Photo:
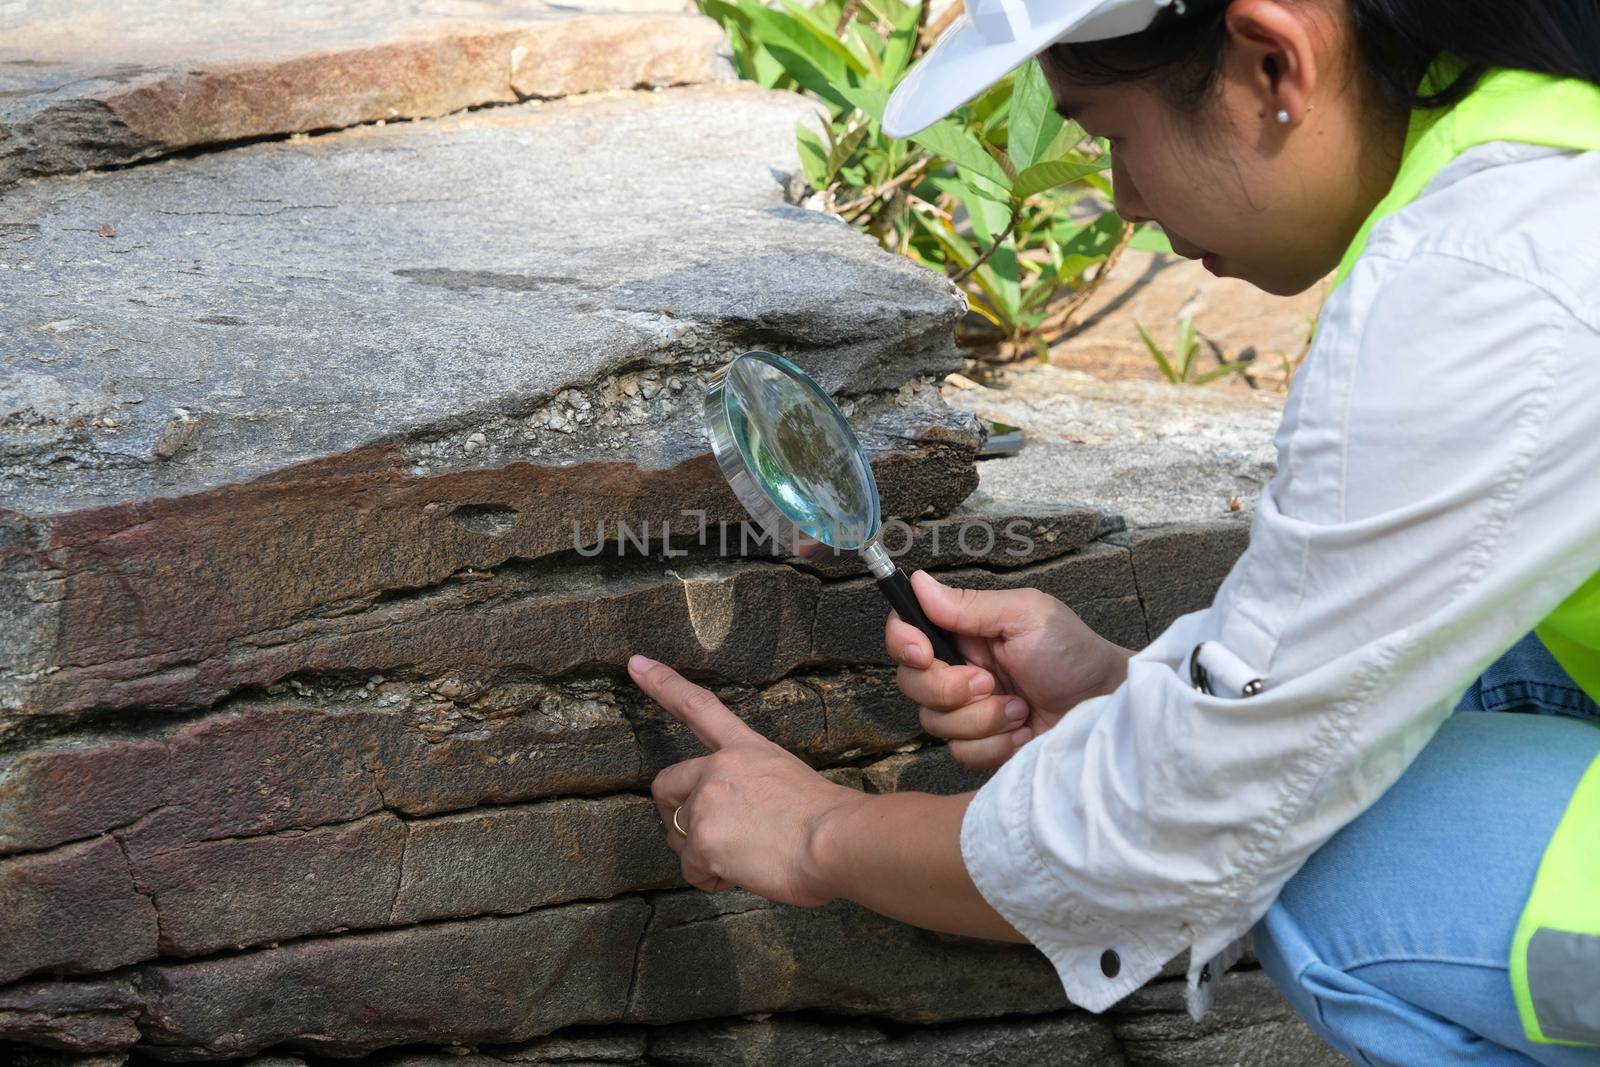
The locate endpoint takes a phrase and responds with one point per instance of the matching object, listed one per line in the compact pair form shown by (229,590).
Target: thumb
(974,612)
(695,707)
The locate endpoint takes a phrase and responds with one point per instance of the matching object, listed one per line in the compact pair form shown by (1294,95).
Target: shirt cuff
(1098,961)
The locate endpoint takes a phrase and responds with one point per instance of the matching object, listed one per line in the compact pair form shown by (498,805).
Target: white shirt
(1437,494)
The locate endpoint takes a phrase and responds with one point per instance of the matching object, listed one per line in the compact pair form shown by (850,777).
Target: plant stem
(931,33)
(909,174)
(845,16)
(998,241)
(917,46)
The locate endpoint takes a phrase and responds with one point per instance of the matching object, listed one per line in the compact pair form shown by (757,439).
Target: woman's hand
(1030,659)
(751,810)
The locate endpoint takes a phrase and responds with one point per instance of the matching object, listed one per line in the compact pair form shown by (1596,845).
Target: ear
(1274,53)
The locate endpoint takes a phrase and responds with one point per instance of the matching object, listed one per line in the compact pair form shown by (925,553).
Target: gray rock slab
(1250,1025)
(1065,1040)
(1179,566)
(927,770)
(983,531)
(306,373)
(1097,582)
(72,909)
(524,856)
(308,757)
(90,84)
(1148,451)
(216,895)
(498,979)
(291,301)
(96,1015)
(707,955)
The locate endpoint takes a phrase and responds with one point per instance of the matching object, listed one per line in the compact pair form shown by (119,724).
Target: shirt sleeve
(1434,501)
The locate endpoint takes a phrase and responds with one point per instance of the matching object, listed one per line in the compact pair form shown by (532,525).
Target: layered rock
(246,415)
(106,84)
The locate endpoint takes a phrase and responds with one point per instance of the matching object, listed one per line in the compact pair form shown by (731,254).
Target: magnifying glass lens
(793,461)
(802,453)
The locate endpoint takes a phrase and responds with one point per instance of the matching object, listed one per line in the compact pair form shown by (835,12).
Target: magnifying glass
(796,466)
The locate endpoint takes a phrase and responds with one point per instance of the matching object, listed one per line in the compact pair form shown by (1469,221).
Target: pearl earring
(1283,116)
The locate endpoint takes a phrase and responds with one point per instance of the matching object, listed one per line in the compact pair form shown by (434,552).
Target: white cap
(992,38)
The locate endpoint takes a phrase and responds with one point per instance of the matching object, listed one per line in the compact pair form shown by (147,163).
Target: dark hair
(1398,41)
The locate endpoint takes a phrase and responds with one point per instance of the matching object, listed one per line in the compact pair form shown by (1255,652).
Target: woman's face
(1272,203)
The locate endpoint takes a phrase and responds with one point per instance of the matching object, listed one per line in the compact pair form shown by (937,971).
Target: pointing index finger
(690,704)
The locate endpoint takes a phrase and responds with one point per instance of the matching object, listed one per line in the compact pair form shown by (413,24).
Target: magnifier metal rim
(735,465)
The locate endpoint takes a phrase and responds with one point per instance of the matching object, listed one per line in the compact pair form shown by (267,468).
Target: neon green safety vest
(1555,953)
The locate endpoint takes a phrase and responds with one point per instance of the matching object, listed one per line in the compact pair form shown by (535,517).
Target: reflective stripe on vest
(1555,954)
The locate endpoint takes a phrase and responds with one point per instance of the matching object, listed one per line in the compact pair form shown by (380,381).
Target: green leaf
(1095,239)
(948,140)
(1000,157)
(1033,123)
(823,34)
(813,156)
(1149,238)
(990,218)
(1048,175)
(962,252)
(845,146)
(807,59)
(1224,371)
(1065,143)
(992,107)
(902,39)
(1186,346)
(871,99)
(1160,356)
(953,244)
(766,70)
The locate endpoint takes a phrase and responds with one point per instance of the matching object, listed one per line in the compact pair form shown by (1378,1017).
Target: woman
(1423,886)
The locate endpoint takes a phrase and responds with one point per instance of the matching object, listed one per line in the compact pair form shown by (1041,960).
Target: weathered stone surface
(981,532)
(72,909)
(373,872)
(927,770)
(742,622)
(1068,1040)
(1179,567)
(274,764)
(1097,582)
(97,84)
(326,414)
(819,717)
(1250,1025)
(90,1016)
(334,754)
(23,1056)
(579,1046)
(1148,451)
(863,712)
(527,855)
(733,952)
(246,891)
(480,980)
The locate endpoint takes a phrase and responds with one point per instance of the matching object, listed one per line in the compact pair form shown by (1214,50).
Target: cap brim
(961,64)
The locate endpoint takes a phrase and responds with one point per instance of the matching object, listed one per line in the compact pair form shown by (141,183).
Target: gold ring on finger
(677,825)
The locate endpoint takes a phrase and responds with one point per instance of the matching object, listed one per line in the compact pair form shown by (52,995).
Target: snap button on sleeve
(1110,963)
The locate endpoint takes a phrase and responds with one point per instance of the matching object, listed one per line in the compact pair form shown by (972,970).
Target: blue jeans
(1392,941)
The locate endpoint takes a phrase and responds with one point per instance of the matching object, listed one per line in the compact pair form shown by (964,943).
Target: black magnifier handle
(897,587)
